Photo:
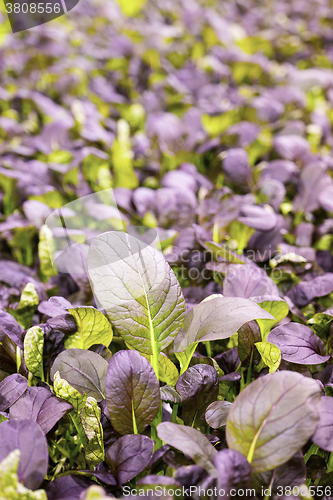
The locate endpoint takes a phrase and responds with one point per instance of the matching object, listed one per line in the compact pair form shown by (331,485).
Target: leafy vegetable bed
(197,363)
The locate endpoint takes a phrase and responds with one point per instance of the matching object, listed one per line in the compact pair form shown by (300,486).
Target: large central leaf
(137,289)
(272,418)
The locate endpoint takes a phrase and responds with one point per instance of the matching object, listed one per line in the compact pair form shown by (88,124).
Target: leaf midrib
(262,425)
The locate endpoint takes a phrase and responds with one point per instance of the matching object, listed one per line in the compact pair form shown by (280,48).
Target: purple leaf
(177,178)
(313,182)
(323,437)
(236,166)
(26,436)
(198,387)
(132,392)
(280,170)
(52,410)
(325,375)
(234,471)
(67,487)
(128,456)
(10,327)
(191,442)
(247,281)
(64,323)
(83,370)
(29,404)
(306,291)
(291,473)
(154,479)
(228,361)
(231,377)
(217,413)
(11,388)
(190,475)
(257,217)
(248,334)
(291,147)
(298,344)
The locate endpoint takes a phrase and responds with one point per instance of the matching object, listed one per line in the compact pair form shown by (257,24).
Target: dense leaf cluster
(182,339)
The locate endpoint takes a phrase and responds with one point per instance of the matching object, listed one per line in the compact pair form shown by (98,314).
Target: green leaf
(253,44)
(270,355)
(185,357)
(60,156)
(8,185)
(246,72)
(240,233)
(138,291)
(122,154)
(33,351)
(22,245)
(277,307)
(216,124)
(91,422)
(97,172)
(27,306)
(273,418)
(216,319)
(10,487)
(92,328)
(52,198)
(168,371)
(321,324)
(95,492)
(221,252)
(261,146)
(65,391)
(45,248)
(131,7)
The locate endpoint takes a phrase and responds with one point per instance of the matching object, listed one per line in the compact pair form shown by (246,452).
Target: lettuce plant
(204,362)
(117,409)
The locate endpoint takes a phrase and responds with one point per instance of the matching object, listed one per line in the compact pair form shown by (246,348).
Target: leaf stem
(82,436)
(330,463)
(157,420)
(242,381)
(249,371)
(18,359)
(311,451)
(174,413)
(154,361)
(208,348)
(135,427)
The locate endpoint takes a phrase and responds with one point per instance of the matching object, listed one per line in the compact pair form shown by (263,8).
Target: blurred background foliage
(117,93)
